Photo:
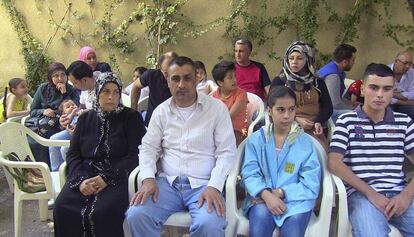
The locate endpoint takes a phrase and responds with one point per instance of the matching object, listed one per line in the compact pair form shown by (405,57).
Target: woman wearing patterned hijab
(314,106)
(103,151)
(88,55)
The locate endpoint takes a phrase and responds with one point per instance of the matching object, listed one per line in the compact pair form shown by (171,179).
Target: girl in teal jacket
(281,171)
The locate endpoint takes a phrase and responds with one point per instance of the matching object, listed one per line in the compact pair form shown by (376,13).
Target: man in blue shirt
(334,75)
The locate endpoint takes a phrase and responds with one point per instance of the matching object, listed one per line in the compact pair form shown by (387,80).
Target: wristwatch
(280,193)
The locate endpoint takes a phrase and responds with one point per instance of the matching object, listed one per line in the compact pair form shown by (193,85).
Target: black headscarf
(106,171)
(101,81)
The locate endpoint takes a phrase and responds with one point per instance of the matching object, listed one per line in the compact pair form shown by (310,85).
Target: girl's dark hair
(140,70)
(13,83)
(200,65)
(279,92)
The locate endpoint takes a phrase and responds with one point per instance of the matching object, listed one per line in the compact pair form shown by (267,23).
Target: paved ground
(31,224)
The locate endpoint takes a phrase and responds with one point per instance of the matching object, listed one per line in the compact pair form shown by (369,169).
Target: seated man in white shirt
(403,99)
(191,137)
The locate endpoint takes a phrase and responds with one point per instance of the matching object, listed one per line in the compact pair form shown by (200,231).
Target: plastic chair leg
(17,217)
(43,209)
(231,228)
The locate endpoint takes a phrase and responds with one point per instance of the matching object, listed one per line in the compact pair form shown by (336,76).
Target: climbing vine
(33,52)
(303,17)
(164,22)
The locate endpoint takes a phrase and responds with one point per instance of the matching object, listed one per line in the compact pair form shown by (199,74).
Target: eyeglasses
(407,63)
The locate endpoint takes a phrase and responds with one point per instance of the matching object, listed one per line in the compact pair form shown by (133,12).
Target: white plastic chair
(318,226)
(255,105)
(143,104)
(180,219)
(126,100)
(347,82)
(13,138)
(331,127)
(343,225)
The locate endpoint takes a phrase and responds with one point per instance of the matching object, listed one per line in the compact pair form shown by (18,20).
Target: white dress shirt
(203,148)
(405,86)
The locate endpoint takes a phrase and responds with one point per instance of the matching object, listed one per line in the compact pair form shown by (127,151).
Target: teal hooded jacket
(296,170)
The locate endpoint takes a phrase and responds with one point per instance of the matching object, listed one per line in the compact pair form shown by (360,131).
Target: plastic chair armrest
(43,167)
(133,176)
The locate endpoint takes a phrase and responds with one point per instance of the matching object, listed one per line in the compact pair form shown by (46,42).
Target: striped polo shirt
(374,151)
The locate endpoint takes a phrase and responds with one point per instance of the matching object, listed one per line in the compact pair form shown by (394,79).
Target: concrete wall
(371,45)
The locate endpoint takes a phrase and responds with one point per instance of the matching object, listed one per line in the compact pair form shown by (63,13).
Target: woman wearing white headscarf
(314,106)
(103,151)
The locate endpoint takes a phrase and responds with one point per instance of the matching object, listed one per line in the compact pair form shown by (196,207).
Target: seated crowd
(187,142)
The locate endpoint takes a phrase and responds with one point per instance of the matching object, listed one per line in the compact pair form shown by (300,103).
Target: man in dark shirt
(156,80)
(250,75)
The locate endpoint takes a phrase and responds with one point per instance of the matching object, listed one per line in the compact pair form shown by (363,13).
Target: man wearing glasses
(403,99)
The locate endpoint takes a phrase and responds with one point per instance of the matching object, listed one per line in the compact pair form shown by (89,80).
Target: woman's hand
(318,129)
(61,87)
(92,186)
(275,205)
(99,183)
(49,113)
(88,187)
(306,124)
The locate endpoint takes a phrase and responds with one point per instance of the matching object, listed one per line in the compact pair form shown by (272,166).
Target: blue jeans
(368,221)
(262,224)
(57,153)
(146,220)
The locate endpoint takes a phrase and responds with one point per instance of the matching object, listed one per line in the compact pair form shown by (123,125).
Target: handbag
(43,125)
(28,180)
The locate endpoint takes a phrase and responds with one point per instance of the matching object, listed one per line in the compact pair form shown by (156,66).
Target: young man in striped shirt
(367,152)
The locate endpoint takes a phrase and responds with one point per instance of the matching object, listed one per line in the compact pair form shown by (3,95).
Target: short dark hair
(279,92)
(343,52)
(378,69)
(245,41)
(220,70)
(200,65)
(162,57)
(79,69)
(181,61)
(140,70)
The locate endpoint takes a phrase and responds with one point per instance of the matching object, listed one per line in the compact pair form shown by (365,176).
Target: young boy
(232,96)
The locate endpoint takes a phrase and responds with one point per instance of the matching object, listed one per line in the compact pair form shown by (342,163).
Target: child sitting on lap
(57,154)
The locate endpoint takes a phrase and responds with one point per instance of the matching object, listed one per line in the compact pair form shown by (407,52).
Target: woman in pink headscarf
(88,55)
